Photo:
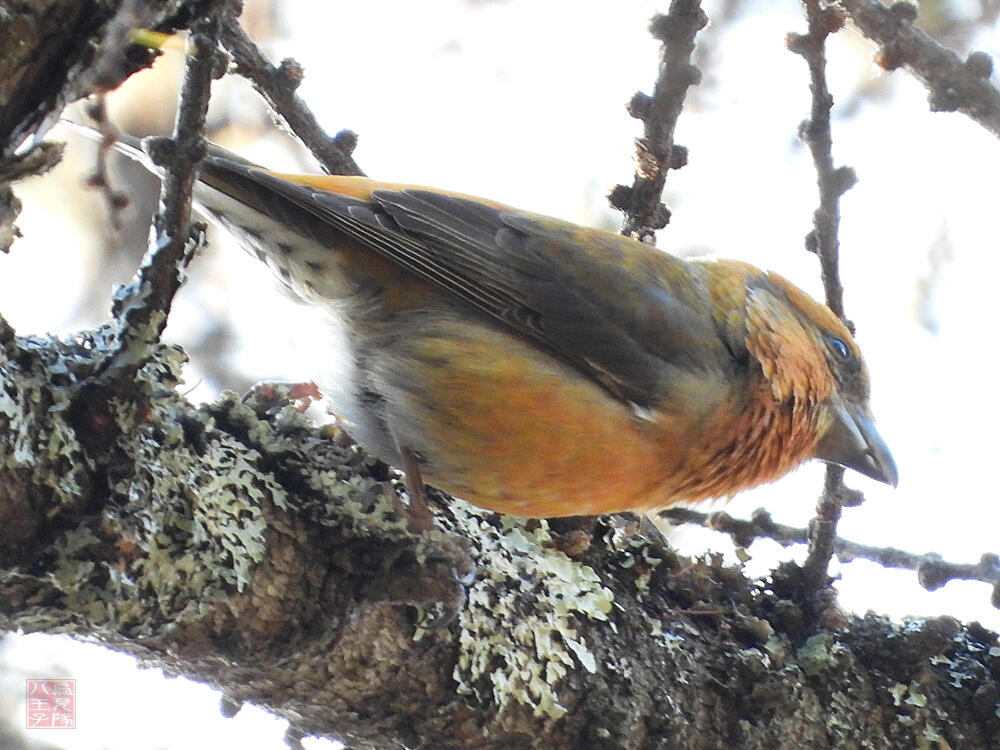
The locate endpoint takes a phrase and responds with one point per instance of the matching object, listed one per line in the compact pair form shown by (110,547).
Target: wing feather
(627,316)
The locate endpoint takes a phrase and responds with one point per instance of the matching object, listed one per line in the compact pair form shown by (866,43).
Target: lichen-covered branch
(142,307)
(656,152)
(238,545)
(953,84)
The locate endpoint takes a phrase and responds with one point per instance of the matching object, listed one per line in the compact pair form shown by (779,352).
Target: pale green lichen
(819,653)
(182,520)
(912,695)
(776,649)
(930,734)
(340,495)
(188,523)
(519,637)
(916,696)
(37,441)
(840,718)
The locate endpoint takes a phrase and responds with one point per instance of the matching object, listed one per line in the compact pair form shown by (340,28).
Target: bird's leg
(447,590)
(419,516)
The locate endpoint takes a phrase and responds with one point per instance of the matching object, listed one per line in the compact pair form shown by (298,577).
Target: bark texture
(247,549)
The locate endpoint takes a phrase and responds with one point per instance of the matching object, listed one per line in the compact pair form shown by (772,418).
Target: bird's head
(812,363)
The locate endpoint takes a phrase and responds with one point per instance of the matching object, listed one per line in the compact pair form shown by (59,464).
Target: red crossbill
(536,367)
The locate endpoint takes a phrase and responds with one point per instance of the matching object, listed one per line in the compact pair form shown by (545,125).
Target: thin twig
(116,200)
(832,181)
(277,85)
(954,85)
(656,152)
(143,306)
(932,571)
(822,240)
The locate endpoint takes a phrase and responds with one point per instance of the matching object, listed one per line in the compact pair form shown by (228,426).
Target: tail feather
(132,147)
(124,143)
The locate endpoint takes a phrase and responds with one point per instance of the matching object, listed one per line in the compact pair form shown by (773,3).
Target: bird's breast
(506,426)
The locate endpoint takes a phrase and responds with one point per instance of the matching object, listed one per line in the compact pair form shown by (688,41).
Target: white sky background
(523,101)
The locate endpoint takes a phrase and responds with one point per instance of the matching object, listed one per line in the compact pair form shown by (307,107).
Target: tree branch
(144,305)
(248,550)
(53,52)
(932,571)
(239,545)
(954,85)
(822,240)
(277,85)
(656,152)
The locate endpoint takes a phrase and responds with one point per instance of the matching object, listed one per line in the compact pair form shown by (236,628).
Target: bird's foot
(266,396)
(448,568)
(431,574)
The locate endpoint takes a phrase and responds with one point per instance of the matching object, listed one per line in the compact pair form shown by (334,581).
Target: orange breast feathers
(540,368)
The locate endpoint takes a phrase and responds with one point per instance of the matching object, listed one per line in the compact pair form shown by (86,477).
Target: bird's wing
(626,315)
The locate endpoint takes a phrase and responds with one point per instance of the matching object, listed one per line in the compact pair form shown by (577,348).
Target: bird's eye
(842,350)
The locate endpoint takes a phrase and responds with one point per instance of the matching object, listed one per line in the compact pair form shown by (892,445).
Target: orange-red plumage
(536,367)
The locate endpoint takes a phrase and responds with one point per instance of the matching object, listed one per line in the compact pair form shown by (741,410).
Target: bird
(539,368)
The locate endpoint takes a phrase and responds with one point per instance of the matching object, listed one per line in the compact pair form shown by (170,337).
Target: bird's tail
(320,235)
(126,144)
(134,148)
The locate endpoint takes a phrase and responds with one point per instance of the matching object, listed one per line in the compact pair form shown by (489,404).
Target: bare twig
(656,152)
(822,240)
(932,571)
(952,83)
(832,181)
(743,533)
(116,200)
(277,85)
(143,306)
